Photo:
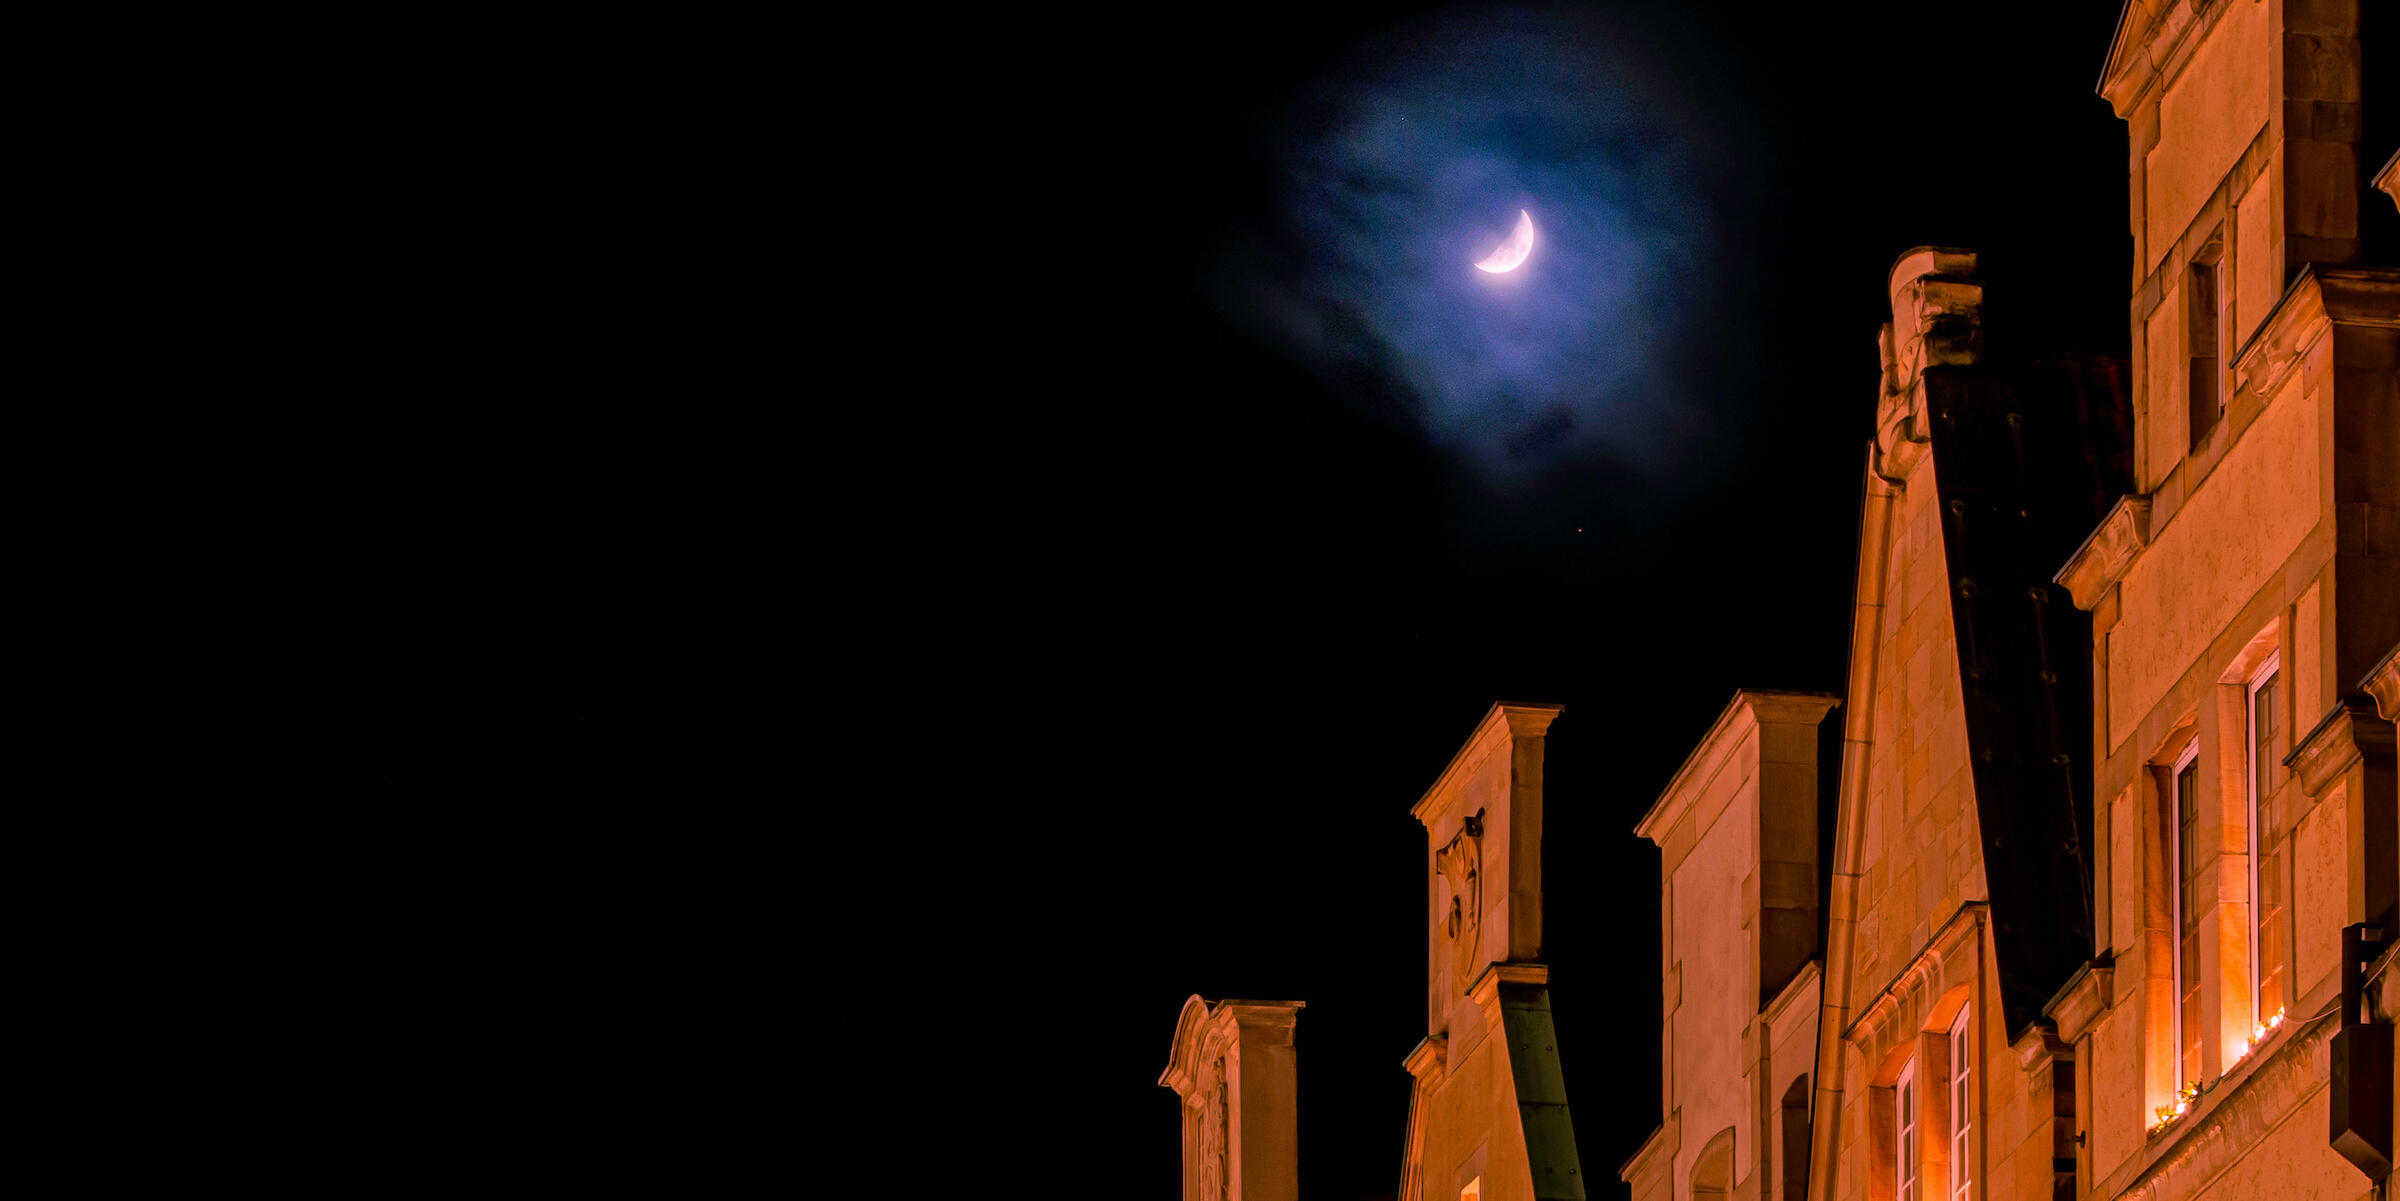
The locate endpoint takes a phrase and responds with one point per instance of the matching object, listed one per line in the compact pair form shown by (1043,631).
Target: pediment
(2140,48)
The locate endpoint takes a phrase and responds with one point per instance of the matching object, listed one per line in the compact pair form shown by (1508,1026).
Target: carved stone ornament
(1214,1181)
(1937,321)
(1461,866)
(2108,553)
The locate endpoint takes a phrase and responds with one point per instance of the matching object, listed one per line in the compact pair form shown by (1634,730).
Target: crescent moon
(1513,251)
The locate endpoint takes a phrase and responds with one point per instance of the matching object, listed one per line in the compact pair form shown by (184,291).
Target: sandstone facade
(2242,599)
(1738,891)
(1236,1071)
(1488,1117)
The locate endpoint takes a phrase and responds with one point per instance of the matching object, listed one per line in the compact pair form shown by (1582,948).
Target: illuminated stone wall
(1738,888)
(1488,1117)
(2264,541)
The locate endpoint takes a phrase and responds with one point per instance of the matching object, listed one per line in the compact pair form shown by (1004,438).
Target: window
(1795,1139)
(2207,378)
(1473,1191)
(1905,1133)
(1712,1171)
(2264,708)
(1961,1115)
(2185,805)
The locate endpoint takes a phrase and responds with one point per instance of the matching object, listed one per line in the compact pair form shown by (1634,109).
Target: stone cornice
(1894,999)
(2089,995)
(1747,708)
(2153,42)
(1504,720)
(2108,553)
(1272,1017)
(2347,734)
(1488,984)
(1203,1028)
(2319,298)
(2383,683)
(2040,1046)
(1810,974)
(1430,1057)
(1662,1144)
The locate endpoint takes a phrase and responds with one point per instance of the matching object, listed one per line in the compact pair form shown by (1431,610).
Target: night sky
(945,566)
(1312,506)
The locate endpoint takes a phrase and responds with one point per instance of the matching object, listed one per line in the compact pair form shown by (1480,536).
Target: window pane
(2187,822)
(2262,727)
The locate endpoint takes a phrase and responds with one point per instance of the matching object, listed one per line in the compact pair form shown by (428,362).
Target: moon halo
(1512,252)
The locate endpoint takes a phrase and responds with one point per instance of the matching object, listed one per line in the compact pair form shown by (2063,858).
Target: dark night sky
(1261,607)
(1008,635)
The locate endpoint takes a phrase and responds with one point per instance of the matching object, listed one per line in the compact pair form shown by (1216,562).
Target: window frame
(1908,1113)
(2189,758)
(1962,1072)
(2268,672)
(2205,316)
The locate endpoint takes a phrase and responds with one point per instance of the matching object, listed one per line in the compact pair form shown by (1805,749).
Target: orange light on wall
(2167,1114)
(2258,1034)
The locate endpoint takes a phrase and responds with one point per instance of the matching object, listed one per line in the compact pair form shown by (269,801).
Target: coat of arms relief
(1460,866)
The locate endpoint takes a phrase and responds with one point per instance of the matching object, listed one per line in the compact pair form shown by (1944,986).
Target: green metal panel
(1541,1092)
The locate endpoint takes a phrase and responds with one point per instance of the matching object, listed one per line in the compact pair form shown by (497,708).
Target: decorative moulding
(1508,973)
(2154,41)
(2319,298)
(2039,1046)
(2085,999)
(1432,1055)
(1900,1005)
(1502,722)
(2383,683)
(2349,733)
(2108,553)
(1937,321)
(1805,983)
(1203,1029)
(1747,708)
(1658,1150)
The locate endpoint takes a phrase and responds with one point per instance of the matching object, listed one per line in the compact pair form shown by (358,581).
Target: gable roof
(2023,461)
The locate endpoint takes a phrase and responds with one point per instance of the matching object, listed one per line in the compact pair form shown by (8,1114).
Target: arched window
(1712,1171)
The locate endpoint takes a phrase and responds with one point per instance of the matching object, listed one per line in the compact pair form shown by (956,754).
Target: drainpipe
(1850,826)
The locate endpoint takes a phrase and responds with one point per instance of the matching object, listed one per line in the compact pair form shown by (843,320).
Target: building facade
(1488,1117)
(1738,904)
(2243,596)
(2113,871)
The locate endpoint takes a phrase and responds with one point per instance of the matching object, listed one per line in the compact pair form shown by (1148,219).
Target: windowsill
(2227,1083)
(2295,1039)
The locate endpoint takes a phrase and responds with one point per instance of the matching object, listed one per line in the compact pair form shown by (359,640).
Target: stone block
(2257,276)
(2207,119)
(2321,67)
(2327,18)
(2320,892)
(1788,886)
(2320,192)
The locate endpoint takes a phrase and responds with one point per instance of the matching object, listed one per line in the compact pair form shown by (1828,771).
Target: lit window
(1473,1191)
(2185,804)
(1961,1115)
(1905,1133)
(2266,851)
